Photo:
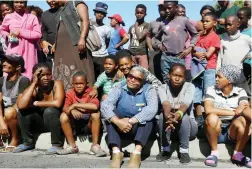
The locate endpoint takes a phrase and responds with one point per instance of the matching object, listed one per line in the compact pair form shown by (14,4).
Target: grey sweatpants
(186,129)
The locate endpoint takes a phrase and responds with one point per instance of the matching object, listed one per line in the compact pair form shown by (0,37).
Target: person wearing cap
(10,87)
(154,53)
(104,32)
(228,116)
(137,34)
(119,37)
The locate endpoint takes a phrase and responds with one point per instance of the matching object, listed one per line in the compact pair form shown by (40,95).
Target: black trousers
(140,133)
(98,65)
(154,63)
(37,120)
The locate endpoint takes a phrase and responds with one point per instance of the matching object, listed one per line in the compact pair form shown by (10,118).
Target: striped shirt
(230,102)
(146,114)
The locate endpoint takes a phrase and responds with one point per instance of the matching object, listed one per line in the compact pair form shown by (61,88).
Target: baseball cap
(118,18)
(101,7)
(18,59)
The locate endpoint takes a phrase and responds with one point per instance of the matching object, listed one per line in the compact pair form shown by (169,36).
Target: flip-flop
(7,149)
(213,158)
(244,162)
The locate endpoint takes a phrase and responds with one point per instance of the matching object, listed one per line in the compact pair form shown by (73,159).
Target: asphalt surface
(38,159)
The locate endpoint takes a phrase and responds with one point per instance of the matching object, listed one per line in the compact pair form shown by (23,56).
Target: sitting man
(40,107)
(130,110)
(228,116)
(79,109)
(10,87)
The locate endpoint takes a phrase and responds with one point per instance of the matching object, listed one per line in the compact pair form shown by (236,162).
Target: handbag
(93,40)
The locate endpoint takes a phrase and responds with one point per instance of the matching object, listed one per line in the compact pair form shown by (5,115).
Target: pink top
(30,33)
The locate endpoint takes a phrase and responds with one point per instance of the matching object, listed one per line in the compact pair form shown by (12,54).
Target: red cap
(117,17)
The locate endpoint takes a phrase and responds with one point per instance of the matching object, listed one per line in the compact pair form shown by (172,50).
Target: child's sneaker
(97,151)
(68,150)
(184,158)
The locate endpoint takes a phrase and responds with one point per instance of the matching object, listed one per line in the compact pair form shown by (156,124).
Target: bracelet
(180,113)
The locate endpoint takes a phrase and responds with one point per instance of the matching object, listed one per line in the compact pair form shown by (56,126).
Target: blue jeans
(167,60)
(202,83)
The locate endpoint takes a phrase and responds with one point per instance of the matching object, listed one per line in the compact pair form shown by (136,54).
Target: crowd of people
(177,75)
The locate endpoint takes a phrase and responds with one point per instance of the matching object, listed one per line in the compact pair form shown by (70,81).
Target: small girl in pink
(25,27)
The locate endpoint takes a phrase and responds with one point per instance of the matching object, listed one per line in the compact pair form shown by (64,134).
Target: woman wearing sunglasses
(130,110)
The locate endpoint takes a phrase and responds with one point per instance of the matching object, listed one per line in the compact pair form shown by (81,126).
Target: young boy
(244,14)
(210,42)
(138,33)
(232,41)
(110,78)
(79,108)
(10,87)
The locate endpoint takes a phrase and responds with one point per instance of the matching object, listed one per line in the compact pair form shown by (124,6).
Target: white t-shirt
(105,33)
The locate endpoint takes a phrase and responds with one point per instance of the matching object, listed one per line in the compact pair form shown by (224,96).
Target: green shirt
(220,29)
(107,83)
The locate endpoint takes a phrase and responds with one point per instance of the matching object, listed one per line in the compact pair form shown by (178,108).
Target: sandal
(244,162)
(7,149)
(214,159)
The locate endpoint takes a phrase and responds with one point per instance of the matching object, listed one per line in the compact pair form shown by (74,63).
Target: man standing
(174,36)
(48,20)
(154,53)
(104,33)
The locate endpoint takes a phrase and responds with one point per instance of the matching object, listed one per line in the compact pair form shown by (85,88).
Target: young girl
(208,45)
(119,37)
(110,78)
(40,108)
(23,32)
(177,98)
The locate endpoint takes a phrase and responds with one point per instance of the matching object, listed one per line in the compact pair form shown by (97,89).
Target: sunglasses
(138,79)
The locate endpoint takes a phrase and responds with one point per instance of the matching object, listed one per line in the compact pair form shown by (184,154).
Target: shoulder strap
(4,84)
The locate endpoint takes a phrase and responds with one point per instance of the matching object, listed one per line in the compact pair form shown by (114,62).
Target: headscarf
(231,72)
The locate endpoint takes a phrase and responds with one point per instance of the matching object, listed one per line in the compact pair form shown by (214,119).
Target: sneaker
(22,148)
(163,156)
(184,158)
(68,150)
(53,150)
(97,151)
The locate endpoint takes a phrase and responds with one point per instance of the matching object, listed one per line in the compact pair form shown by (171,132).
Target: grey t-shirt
(138,47)
(185,96)
(174,34)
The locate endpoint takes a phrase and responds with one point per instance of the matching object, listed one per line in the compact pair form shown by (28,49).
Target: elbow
(21,105)
(58,104)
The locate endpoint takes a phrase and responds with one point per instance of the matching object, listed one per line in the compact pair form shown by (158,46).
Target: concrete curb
(198,149)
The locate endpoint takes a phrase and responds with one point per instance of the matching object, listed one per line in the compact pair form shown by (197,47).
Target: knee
(96,116)
(240,123)
(212,120)
(50,111)
(64,118)
(10,113)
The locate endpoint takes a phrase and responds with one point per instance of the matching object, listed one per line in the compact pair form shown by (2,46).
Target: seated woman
(177,99)
(40,107)
(10,87)
(130,110)
(228,116)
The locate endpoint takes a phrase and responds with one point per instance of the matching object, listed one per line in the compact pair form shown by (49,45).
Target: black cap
(18,59)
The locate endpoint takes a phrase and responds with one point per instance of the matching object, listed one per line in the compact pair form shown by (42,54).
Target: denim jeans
(167,60)
(202,83)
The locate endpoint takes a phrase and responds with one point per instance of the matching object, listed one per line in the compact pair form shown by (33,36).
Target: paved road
(37,159)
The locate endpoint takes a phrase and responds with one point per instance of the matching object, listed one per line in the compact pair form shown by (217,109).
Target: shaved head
(232,24)
(233,18)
